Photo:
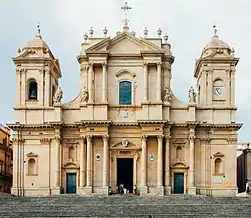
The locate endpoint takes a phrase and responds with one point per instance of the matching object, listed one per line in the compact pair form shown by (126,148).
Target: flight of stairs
(125,206)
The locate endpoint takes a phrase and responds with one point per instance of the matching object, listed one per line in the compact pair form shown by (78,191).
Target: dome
(37,42)
(216,45)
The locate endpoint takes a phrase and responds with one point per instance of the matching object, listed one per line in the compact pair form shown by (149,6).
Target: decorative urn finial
(145,32)
(91,31)
(105,31)
(159,32)
(165,38)
(85,37)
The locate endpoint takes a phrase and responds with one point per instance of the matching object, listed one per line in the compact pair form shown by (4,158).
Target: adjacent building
(243,166)
(125,125)
(6,158)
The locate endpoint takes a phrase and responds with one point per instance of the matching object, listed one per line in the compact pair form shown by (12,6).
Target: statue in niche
(167,95)
(71,153)
(192,95)
(58,96)
(179,153)
(84,95)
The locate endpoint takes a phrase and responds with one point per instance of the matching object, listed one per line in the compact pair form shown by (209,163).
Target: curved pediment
(125,71)
(179,165)
(71,165)
(125,144)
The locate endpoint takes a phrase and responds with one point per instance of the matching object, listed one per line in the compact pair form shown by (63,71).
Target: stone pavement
(125,206)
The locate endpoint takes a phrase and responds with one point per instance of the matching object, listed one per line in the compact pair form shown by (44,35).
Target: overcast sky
(188,24)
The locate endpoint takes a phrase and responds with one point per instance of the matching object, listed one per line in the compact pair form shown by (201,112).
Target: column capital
(192,137)
(145,64)
(89,138)
(82,138)
(167,137)
(144,138)
(104,64)
(45,140)
(57,138)
(160,138)
(84,68)
(159,63)
(105,138)
(91,64)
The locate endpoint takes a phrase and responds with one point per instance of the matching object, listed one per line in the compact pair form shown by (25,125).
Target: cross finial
(126,8)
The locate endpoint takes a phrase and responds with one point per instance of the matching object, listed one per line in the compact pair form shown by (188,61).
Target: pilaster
(192,188)
(143,188)
(167,189)
(145,82)
(90,85)
(104,83)
(158,97)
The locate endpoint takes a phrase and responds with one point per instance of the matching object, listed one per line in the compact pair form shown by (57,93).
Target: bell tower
(215,73)
(37,74)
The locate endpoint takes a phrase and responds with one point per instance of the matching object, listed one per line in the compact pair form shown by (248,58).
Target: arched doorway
(179,177)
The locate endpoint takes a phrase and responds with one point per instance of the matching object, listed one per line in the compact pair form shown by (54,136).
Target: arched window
(179,153)
(31,166)
(32,90)
(125,93)
(53,90)
(218,88)
(218,166)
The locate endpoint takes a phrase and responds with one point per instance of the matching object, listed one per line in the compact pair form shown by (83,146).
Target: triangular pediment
(124,145)
(124,43)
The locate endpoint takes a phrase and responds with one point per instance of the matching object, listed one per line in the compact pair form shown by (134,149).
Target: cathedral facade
(125,126)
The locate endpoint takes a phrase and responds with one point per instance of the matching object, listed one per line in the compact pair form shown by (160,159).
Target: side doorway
(71,183)
(178,183)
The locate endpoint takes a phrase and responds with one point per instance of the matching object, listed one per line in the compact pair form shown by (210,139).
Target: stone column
(191,189)
(57,162)
(160,161)
(159,81)
(143,188)
(90,86)
(82,164)
(167,166)
(105,161)
(145,82)
(89,161)
(104,83)
(160,188)
(47,88)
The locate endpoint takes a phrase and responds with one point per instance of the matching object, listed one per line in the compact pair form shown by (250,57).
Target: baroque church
(125,125)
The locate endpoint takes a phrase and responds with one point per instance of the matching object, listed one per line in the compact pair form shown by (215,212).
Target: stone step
(125,206)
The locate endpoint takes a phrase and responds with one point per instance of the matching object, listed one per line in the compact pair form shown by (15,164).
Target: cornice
(124,124)
(230,125)
(146,122)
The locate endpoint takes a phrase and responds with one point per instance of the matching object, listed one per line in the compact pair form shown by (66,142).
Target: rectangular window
(125,93)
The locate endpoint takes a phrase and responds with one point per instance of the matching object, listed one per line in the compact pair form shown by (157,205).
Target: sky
(187,23)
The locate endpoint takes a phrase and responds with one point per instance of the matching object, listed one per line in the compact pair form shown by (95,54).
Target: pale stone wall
(182,137)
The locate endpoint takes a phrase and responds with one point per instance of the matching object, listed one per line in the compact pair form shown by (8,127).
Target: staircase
(125,206)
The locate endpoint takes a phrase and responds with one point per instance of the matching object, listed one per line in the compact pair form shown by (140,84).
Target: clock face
(218,91)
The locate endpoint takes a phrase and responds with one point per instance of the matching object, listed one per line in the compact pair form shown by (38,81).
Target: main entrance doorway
(71,183)
(125,173)
(178,183)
